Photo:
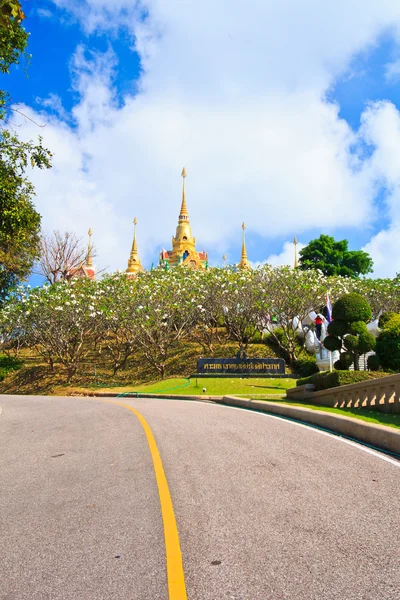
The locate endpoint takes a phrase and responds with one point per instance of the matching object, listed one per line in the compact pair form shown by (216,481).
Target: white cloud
(384,249)
(44,13)
(237,95)
(286,257)
(392,71)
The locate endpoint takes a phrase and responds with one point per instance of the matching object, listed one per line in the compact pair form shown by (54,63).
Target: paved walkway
(265,509)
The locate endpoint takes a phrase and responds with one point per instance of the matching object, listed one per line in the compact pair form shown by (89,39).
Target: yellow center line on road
(175,574)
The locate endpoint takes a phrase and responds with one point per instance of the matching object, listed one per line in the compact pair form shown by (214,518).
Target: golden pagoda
(183,243)
(244,263)
(134,264)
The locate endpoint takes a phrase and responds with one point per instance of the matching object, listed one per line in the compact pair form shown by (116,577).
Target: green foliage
(13,38)
(352,307)
(256,338)
(8,364)
(156,312)
(373,363)
(326,380)
(332,343)
(351,342)
(337,329)
(334,258)
(385,318)
(345,361)
(388,344)
(350,314)
(304,367)
(19,221)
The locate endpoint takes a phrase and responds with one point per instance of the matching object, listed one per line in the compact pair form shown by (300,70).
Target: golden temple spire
(296,262)
(224,259)
(89,261)
(184,215)
(134,264)
(244,263)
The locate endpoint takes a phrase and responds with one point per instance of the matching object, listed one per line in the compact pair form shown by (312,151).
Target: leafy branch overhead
(19,220)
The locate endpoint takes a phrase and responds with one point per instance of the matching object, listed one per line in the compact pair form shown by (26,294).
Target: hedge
(326,380)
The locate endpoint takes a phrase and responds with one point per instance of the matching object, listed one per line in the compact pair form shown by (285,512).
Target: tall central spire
(244,263)
(134,264)
(184,215)
(296,262)
(89,261)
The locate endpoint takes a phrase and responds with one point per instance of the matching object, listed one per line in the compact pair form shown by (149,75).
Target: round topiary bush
(388,345)
(366,342)
(351,342)
(352,307)
(344,362)
(337,328)
(373,363)
(332,343)
(385,318)
(358,328)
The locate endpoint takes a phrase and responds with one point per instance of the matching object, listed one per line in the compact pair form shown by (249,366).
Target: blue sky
(285,119)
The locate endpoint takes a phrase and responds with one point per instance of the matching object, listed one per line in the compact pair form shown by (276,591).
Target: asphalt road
(265,509)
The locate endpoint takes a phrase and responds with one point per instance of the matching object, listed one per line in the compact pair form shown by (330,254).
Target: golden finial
(184,215)
(89,261)
(134,264)
(134,245)
(244,263)
(224,259)
(296,262)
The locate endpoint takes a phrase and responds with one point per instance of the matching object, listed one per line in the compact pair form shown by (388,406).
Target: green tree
(348,331)
(19,221)
(334,258)
(388,342)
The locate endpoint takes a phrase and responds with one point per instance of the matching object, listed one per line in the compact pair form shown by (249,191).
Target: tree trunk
(356,361)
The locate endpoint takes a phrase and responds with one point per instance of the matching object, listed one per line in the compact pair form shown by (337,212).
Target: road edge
(377,436)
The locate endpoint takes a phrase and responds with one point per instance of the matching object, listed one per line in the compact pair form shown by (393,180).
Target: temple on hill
(183,243)
(183,246)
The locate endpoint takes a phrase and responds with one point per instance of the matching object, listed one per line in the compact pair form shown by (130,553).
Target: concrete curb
(378,436)
(144,395)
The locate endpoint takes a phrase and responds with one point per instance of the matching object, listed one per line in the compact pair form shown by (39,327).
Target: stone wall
(379,394)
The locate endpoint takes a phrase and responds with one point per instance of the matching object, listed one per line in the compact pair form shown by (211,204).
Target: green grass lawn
(247,387)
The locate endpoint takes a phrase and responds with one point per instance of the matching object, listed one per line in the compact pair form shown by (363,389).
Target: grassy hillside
(36,377)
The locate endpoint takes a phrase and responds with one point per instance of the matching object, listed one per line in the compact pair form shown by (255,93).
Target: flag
(328,308)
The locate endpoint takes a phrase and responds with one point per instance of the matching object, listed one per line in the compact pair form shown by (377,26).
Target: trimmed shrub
(373,363)
(385,318)
(332,343)
(337,328)
(352,307)
(388,345)
(305,366)
(325,381)
(343,364)
(351,313)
